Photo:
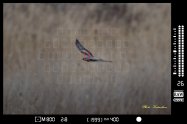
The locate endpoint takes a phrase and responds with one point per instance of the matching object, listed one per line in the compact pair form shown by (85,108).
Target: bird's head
(85,59)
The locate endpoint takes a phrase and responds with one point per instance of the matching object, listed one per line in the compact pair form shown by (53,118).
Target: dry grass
(44,73)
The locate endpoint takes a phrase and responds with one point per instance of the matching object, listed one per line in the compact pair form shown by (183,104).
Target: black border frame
(177,108)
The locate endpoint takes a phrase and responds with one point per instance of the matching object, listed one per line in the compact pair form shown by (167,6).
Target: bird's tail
(101,60)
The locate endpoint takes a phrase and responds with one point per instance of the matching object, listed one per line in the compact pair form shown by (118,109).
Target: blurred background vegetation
(44,72)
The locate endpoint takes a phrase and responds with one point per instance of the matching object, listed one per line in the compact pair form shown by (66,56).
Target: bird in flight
(88,55)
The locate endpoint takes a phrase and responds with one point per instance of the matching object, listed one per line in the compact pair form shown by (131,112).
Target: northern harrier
(88,55)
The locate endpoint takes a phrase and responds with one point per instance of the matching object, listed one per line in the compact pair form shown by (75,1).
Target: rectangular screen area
(89,58)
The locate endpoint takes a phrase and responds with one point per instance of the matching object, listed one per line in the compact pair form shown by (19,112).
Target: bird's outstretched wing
(82,49)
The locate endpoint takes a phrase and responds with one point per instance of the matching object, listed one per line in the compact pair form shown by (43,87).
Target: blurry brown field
(44,72)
